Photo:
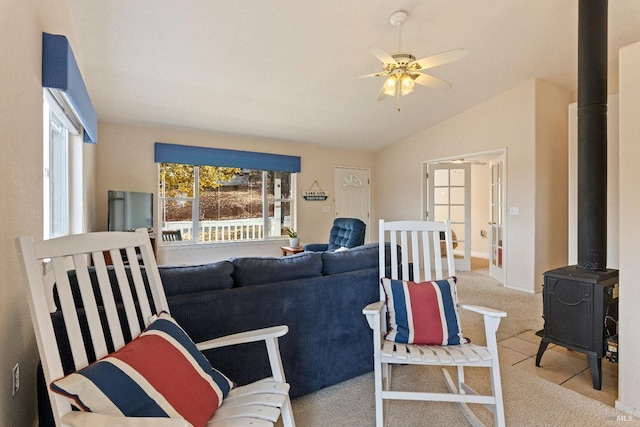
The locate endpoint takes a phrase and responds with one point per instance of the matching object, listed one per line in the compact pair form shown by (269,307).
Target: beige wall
(21,25)
(629,369)
(551,180)
(126,163)
(509,121)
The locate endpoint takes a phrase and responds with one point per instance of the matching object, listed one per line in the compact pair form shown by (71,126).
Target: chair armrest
(316,247)
(373,312)
(244,337)
(91,419)
(373,308)
(484,310)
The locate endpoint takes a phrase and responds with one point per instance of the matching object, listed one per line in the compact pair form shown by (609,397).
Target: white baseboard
(626,410)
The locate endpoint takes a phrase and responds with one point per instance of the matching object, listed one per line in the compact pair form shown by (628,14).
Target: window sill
(189,253)
(170,246)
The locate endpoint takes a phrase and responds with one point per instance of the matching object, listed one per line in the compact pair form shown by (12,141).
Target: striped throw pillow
(423,313)
(161,373)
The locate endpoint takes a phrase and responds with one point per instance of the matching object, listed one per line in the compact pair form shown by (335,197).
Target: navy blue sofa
(319,295)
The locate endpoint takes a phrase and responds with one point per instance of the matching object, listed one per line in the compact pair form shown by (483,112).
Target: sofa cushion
(186,279)
(358,258)
(423,313)
(147,377)
(260,270)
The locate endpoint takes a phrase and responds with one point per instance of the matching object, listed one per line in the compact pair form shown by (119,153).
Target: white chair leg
(386,376)
(275,360)
(460,379)
(491,326)
(379,380)
(287,414)
(496,386)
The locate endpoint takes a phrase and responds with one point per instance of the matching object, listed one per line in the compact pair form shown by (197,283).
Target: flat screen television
(129,210)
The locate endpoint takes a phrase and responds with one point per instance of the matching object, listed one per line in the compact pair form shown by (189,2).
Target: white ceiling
(286,69)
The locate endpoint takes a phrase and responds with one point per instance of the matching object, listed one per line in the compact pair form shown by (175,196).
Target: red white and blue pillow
(423,313)
(161,373)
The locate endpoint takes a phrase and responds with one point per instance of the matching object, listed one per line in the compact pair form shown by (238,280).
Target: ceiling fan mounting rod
(397,19)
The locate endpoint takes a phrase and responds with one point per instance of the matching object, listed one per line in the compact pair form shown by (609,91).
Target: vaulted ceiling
(285,69)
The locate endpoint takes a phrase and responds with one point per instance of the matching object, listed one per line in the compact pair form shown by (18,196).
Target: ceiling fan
(403,70)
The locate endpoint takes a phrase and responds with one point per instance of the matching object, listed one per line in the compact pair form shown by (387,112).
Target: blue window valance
(204,156)
(60,72)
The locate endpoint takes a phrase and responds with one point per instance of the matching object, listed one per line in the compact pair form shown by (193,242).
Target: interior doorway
(352,190)
(484,230)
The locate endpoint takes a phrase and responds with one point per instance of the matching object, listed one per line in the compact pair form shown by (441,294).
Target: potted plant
(294,240)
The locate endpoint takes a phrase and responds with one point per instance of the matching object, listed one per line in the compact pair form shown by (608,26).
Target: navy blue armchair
(346,232)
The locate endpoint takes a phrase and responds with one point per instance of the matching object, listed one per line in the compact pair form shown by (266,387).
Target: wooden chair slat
(90,305)
(69,313)
(125,291)
(108,300)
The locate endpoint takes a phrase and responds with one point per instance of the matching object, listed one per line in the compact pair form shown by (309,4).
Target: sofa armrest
(316,247)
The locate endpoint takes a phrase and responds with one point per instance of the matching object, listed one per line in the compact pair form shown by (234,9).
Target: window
(221,204)
(68,119)
(62,175)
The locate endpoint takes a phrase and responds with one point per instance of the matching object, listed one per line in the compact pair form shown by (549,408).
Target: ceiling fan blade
(439,59)
(430,81)
(383,56)
(381,73)
(381,95)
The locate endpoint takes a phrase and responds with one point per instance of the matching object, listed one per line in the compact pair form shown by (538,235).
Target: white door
(449,195)
(496,219)
(352,193)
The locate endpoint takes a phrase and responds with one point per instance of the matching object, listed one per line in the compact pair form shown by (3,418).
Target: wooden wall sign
(315,193)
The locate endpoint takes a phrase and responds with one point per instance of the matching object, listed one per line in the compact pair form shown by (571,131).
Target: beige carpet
(529,400)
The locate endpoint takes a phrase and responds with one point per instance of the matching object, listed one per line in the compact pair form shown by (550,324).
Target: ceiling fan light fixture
(389,87)
(406,84)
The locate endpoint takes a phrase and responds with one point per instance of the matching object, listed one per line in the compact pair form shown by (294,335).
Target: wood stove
(581,302)
(580,309)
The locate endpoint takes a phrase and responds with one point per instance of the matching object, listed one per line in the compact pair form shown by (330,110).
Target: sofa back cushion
(250,271)
(185,279)
(359,258)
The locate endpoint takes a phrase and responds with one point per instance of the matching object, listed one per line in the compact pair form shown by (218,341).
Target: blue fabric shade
(204,156)
(60,72)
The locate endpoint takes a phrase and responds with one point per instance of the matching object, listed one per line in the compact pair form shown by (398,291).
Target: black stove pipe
(592,134)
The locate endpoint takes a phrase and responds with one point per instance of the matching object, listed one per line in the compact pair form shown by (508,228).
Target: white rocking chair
(421,260)
(46,263)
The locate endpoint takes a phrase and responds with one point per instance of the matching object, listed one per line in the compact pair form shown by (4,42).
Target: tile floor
(565,367)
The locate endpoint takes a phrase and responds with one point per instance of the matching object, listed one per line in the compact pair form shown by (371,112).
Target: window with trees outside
(208,204)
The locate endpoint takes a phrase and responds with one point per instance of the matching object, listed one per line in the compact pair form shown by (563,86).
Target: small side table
(288,250)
